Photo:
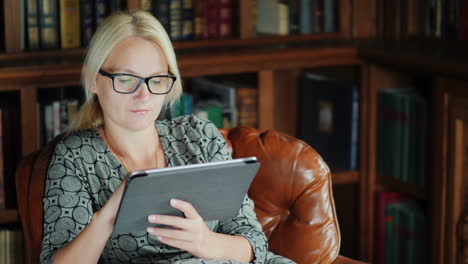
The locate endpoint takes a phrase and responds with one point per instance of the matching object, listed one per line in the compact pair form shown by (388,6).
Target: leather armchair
(292,194)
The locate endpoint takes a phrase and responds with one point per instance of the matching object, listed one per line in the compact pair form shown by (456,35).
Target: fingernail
(151,218)
(173,201)
(150,230)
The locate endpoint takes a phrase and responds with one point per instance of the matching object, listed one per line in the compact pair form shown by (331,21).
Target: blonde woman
(129,73)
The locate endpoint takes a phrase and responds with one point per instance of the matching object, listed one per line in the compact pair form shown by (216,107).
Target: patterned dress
(83,174)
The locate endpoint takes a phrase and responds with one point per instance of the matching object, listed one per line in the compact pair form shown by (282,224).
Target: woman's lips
(139,111)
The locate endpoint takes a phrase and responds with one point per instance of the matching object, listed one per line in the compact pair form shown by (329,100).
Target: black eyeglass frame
(141,80)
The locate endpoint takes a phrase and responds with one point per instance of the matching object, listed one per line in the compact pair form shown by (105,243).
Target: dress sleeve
(66,201)
(245,223)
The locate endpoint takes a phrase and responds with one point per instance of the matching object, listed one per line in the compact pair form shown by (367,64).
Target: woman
(129,74)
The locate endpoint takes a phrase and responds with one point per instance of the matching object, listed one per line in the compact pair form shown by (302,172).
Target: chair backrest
(292,195)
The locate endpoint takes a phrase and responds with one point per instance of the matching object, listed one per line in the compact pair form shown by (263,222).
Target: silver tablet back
(215,189)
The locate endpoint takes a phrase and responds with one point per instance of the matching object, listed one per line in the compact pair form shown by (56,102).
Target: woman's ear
(93,88)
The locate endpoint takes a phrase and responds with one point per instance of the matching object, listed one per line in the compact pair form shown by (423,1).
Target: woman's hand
(190,233)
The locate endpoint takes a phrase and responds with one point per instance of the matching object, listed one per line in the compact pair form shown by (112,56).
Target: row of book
(447,19)
(329,119)
(401,230)
(11,246)
(226,101)
(55,116)
(402,135)
(444,19)
(53,24)
(285,17)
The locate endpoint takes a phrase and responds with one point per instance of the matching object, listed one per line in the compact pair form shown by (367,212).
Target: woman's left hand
(190,233)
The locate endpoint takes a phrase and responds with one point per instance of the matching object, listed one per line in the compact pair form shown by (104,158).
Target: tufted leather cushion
(292,195)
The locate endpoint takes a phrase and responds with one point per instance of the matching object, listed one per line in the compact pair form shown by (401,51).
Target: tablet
(215,189)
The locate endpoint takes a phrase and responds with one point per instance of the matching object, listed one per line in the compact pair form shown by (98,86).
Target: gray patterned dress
(83,173)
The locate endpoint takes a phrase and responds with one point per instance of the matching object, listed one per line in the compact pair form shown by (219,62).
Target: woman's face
(136,111)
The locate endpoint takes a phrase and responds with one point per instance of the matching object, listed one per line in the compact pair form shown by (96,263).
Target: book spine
(86,21)
(187,30)
(283,17)
(318,16)
(354,129)
(246,100)
(175,19)
(329,11)
(48,24)
(463,20)
(70,23)
(161,12)
(225,19)
(211,19)
(293,16)
(199,18)
(100,12)
(305,17)
(32,24)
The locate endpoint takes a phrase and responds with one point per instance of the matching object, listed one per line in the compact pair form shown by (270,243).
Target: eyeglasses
(128,83)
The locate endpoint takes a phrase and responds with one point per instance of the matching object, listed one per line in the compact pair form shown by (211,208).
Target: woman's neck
(135,150)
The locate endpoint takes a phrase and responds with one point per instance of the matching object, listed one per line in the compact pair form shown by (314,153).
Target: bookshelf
(442,76)
(276,60)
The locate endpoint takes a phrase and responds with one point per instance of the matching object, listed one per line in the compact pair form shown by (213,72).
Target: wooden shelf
(390,184)
(345,177)
(8,216)
(37,68)
(419,55)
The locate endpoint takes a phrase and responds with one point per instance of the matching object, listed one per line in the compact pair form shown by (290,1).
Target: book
(328,119)
(225,19)
(49,24)
(175,19)
(212,91)
(100,9)
(160,10)
(272,17)
(329,13)
(70,24)
(384,199)
(86,22)
(198,18)
(187,27)
(32,24)
(306,16)
(211,30)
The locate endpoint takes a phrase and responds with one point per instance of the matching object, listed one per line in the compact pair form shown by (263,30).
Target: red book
(464,20)
(212,19)
(225,19)
(383,199)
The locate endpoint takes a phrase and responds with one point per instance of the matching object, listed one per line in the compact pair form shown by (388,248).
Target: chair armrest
(345,260)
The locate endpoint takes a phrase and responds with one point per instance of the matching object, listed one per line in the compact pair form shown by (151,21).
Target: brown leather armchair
(292,194)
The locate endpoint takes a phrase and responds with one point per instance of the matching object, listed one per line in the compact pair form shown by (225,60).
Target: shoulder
(187,125)
(79,139)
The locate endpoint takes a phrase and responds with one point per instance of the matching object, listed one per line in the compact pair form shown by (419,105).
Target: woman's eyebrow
(126,70)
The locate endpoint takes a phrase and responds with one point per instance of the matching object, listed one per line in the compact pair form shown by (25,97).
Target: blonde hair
(114,29)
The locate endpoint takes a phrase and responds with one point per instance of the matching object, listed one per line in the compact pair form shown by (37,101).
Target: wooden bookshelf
(9,216)
(442,75)
(276,60)
(345,177)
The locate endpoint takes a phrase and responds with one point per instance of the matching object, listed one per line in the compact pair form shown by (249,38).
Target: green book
(210,111)
(405,137)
